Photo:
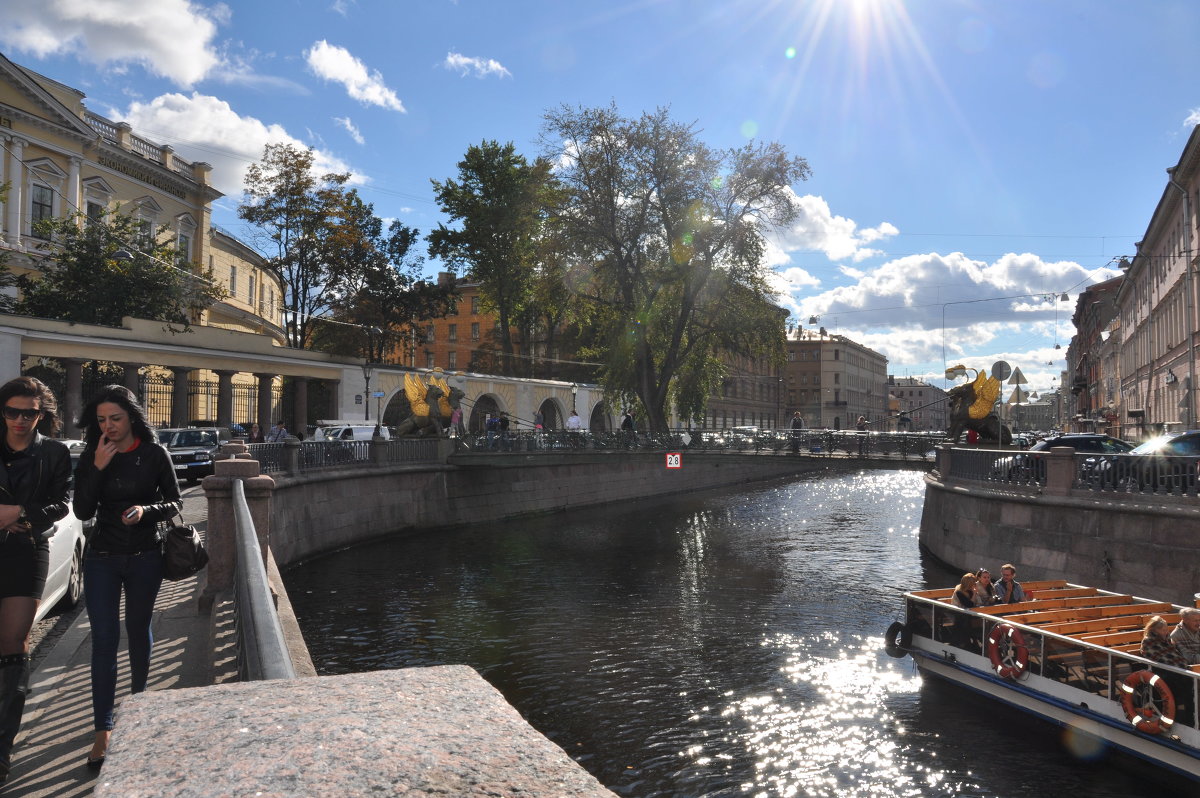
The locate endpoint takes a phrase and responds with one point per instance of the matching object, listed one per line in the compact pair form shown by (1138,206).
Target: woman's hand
(132,515)
(9,513)
(105,452)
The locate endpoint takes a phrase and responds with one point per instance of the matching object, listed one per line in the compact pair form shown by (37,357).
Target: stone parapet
(439,731)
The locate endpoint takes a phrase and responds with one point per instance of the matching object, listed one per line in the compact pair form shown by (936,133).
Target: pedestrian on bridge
(34,476)
(126,480)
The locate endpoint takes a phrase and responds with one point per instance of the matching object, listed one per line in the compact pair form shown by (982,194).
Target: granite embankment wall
(332,509)
(1148,546)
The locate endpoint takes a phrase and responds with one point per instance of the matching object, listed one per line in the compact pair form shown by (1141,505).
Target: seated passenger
(1186,635)
(1009,590)
(985,591)
(964,594)
(1158,646)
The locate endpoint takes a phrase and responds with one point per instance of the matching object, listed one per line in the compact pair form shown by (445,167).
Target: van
(351,432)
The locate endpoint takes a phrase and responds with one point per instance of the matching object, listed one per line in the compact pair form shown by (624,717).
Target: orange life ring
(1015,659)
(1146,716)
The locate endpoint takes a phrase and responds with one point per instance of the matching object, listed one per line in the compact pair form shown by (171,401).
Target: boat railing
(1091,643)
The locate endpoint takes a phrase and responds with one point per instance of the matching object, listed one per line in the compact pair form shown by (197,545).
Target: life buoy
(897,639)
(1014,659)
(1146,715)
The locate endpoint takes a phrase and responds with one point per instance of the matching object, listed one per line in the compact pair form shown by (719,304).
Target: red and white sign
(674,460)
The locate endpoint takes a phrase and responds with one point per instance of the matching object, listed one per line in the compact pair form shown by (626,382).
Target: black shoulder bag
(183,551)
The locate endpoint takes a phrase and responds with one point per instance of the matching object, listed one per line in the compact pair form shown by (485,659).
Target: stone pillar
(72,402)
(179,396)
(74,189)
(299,406)
(224,397)
(265,381)
(132,379)
(334,408)
(16,186)
(10,354)
(1060,470)
(221,535)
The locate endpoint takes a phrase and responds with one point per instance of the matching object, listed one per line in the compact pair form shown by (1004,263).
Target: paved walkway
(56,733)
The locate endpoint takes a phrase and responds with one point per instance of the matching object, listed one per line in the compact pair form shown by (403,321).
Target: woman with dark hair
(124,478)
(33,495)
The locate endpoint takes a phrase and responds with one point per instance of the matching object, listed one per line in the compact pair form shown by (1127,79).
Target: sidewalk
(56,732)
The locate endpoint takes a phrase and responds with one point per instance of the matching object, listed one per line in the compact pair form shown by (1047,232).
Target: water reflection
(701,646)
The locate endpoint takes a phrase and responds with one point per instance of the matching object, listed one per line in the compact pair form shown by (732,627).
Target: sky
(971,161)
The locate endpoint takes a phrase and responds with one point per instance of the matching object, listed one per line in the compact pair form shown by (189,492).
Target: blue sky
(960,150)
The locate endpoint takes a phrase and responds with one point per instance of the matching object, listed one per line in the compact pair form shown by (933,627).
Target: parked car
(351,432)
(193,449)
(64,578)
(1030,466)
(1164,464)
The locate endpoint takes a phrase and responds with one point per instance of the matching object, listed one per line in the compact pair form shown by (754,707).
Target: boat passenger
(1158,646)
(985,591)
(1009,590)
(964,594)
(1186,635)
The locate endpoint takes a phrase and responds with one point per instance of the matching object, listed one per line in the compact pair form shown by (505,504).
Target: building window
(475,306)
(250,299)
(41,207)
(452,333)
(837,379)
(452,360)
(95,212)
(183,249)
(429,336)
(233,281)
(474,331)
(837,354)
(429,359)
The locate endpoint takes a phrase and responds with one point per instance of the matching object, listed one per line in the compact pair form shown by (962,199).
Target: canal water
(724,644)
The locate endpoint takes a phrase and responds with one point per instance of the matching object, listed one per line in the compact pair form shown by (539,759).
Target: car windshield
(1154,444)
(194,437)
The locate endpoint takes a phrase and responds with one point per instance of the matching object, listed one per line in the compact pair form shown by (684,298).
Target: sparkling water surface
(717,644)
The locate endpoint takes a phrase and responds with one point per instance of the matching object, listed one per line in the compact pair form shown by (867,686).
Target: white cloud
(344,122)
(337,64)
(171,38)
(205,128)
(341,6)
(817,229)
(1193,118)
(479,67)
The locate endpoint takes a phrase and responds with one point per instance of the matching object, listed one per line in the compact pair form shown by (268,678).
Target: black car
(1166,464)
(193,449)
(1031,466)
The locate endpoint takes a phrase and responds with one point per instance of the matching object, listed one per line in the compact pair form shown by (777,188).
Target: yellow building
(57,158)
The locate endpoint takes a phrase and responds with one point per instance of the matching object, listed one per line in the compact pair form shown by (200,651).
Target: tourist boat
(1070,655)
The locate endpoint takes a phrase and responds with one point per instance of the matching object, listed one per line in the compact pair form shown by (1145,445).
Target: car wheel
(74,590)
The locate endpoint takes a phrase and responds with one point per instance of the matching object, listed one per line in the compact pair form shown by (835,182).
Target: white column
(16,191)
(74,188)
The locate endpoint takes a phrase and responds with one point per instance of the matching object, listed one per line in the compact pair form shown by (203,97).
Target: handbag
(183,551)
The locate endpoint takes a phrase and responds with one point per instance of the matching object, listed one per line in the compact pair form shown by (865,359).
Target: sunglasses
(13,413)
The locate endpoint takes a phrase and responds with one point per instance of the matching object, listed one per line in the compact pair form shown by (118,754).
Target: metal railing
(262,651)
(825,443)
(301,456)
(1130,474)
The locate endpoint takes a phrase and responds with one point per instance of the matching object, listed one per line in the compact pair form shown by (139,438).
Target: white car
(64,579)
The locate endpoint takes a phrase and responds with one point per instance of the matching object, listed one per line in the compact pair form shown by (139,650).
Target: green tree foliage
(302,217)
(82,281)
(381,288)
(498,203)
(675,232)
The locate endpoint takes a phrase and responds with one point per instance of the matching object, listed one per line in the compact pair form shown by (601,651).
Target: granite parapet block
(438,731)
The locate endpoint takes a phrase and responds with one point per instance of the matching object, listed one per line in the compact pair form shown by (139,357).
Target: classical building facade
(59,159)
(921,407)
(832,381)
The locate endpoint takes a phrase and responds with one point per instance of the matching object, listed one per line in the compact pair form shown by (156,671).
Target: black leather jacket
(47,502)
(144,477)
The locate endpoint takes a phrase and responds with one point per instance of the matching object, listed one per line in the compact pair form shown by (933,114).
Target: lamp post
(366,370)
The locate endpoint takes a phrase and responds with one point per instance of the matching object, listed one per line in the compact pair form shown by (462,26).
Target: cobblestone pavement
(49,630)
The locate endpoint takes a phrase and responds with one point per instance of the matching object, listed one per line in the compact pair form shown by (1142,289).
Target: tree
(675,230)
(499,202)
(81,279)
(304,218)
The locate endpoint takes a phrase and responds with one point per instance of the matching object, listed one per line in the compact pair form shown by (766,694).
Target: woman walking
(126,480)
(33,495)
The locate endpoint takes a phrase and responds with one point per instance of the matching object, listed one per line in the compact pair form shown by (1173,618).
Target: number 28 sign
(674,460)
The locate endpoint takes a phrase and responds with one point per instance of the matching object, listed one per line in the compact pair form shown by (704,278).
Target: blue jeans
(104,577)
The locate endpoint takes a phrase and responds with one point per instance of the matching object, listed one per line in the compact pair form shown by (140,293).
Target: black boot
(14,686)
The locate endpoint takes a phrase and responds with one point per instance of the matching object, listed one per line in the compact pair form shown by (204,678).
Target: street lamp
(574,393)
(366,370)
